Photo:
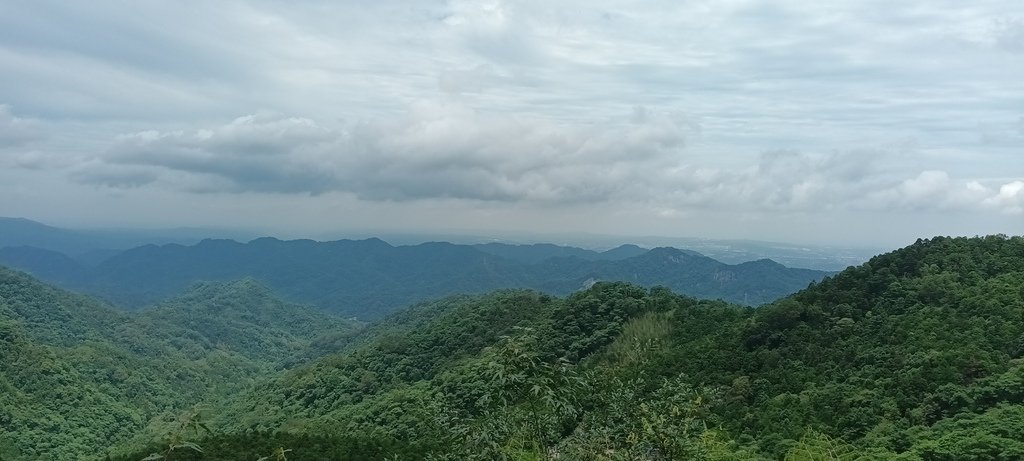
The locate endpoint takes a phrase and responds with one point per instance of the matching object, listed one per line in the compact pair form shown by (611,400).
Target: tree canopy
(916,355)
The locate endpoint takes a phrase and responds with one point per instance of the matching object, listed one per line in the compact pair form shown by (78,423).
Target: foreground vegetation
(916,355)
(78,377)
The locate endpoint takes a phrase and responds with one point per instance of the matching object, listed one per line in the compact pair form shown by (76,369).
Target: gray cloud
(445,151)
(437,150)
(16,131)
(1009,34)
(261,152)
(116,176)
(823,112)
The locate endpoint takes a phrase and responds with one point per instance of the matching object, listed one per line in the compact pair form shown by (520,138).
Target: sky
(845,122)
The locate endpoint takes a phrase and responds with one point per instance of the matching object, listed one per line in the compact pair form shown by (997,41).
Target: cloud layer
(16,132)
(678,116)
(452,152)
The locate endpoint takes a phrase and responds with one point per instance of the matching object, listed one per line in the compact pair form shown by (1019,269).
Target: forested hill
(916,355)
(78,377)
(369,278)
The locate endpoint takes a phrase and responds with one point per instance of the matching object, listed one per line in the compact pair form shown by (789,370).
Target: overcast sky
(860,122)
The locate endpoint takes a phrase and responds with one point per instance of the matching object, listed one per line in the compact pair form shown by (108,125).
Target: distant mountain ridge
(96,244)
(92,246)
(370,278)
(538,252)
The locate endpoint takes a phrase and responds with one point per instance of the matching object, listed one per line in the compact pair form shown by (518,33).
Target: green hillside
(916,355)
(79,377)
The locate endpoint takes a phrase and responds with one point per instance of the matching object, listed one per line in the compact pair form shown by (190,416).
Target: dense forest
(917,354)
(78,377)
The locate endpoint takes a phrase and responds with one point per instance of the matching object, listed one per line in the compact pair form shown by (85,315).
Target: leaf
(153,457)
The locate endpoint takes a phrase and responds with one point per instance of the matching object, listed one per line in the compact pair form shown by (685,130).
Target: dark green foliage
(189,428)
(917,355)
(590,320)
(251,446)
(874,354)
(493,377)
(912,356)
(391,359)
(78,377)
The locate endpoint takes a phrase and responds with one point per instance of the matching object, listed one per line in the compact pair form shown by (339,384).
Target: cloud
(782,108)
(790,181)
(1009,34)
(1009,199)
(436,151)
(16,131)
(450,151)
(260,152)
(116,176)
(931,190)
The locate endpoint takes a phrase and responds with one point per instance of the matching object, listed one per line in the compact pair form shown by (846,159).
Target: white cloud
(1009,199)
(931,190)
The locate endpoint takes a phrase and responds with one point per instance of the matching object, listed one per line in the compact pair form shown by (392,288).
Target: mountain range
(91,246)
(915,355)
(370,278)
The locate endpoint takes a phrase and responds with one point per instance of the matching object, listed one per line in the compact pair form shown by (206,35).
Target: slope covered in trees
(915,355)
(78,377)
(370,278)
